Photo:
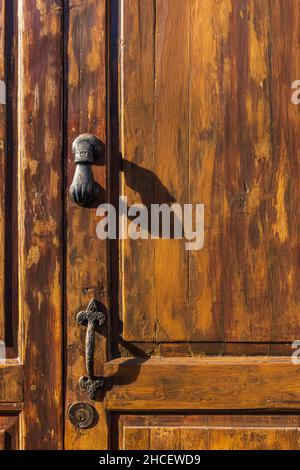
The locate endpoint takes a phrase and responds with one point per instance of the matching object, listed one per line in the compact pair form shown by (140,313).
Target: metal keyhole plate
(82,415)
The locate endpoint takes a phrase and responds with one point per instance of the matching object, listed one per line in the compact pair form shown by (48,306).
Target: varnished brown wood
(86,264)
(2,440)
(230,383)
(284,188)
(11,383)
(2,172)
(209,432)
(9,432)
(205,116)
(216,133)
(11,407)
(204,349)
(191,100)
(138,160)
(40,220)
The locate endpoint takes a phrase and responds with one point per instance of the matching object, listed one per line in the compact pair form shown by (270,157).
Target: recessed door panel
(206,117)
(208,432)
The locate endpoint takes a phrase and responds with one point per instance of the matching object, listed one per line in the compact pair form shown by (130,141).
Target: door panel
(208,432)
(201,112)
(191,102)
(202,383)
(31,224)
(9,432)
(195,108)
(202,120)
(40,212)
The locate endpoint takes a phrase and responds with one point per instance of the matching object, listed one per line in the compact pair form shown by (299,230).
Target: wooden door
(191,103)
(31,294)
(196,351)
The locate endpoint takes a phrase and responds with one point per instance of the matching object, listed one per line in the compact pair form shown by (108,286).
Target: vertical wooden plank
(244,244)
(40,221)
(171,289)
(2,167)
(251,257)
(209,90)
(284,210)
(86,263)
(154,146)
(137,123)
(230,163)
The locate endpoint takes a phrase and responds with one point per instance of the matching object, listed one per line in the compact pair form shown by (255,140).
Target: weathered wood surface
(203,384)
(208,432)
(11,383)
(86,263)
(200,106)
(9,432)
(206,116)
(40,220)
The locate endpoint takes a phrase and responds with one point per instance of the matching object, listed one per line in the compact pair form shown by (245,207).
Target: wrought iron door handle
(86,150)
(93,319)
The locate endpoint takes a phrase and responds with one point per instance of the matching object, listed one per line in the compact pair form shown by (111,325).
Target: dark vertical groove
(153,159)
(113,166)
(11,205)
(64,127)
(272,281)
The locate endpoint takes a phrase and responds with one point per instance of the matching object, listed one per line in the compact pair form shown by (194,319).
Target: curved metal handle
(86,150)
(93,319)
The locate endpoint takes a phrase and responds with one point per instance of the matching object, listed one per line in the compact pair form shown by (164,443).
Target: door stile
(40,210)
(86,255)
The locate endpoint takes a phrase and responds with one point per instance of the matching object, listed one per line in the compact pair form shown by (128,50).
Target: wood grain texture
(206,117)
(11,383)
(284,180)
(203,91)
(40,212)
(137,104)
(203,383)
(86,264)
(209,432)
(10,431)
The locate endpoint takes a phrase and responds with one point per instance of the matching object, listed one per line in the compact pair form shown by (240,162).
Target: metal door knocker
(86,150)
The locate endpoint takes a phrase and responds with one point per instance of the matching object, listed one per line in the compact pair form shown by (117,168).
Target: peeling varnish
(281,227)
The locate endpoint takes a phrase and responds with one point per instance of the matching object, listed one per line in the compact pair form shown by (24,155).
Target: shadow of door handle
(86,150)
